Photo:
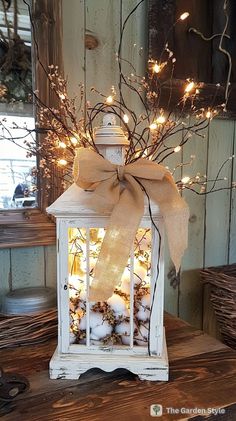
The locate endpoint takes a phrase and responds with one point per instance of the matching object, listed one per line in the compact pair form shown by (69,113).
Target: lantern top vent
(109,133)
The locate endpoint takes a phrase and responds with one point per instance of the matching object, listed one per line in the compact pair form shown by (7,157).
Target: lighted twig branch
(222,36)
(71,124)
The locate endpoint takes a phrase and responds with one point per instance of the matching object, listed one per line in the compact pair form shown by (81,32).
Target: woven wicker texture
(26,330)
(223,297)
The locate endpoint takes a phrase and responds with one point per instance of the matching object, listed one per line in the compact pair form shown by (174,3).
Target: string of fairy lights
(71,124)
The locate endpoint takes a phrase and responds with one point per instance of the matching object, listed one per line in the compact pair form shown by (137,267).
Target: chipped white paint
(69,361)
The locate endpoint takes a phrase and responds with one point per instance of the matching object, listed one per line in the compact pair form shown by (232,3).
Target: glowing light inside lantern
(109,99)
(62,145)
(73,140)
(110,324)
(184,16)
(62,162)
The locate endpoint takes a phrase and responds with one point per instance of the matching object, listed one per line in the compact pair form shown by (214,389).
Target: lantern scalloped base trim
(71,366)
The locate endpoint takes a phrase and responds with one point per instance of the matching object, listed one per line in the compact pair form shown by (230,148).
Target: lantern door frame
(71,360)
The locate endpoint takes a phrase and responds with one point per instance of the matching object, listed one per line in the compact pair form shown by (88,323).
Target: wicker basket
(223,297)
(31,329)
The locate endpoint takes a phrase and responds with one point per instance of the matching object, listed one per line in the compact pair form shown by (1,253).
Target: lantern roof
(75,201)
(109,133)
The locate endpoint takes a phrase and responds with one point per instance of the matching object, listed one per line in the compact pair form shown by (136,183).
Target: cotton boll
(93,336)
(82,323)
(146,300)
(125,286)
(72,338)
(102,330)
(92,262)
(139,274)
(82,295)
(125,282)
(143,314)
(119,314)
(123,329)
(116,303)
(95,319)
(125,340)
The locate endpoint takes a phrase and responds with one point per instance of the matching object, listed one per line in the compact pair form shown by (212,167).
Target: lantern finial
(109,119)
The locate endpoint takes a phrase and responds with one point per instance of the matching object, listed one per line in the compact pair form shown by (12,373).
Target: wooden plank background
(212,236)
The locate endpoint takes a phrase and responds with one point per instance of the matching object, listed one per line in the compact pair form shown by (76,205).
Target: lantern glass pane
(122,320)
(107,318)
(77,267)
(142,283)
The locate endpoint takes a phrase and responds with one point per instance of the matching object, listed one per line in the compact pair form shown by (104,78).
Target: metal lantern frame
(71,360)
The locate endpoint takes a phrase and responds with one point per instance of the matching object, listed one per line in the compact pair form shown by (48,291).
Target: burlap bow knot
(121,189)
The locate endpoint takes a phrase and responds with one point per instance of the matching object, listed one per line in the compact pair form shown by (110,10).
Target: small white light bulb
(189,87)
(62,145)
(126,118)
(156,68)
(185,179)
(184,15)
(62,162)
(177,149)
(73,140)
(109,99)
(161,119)
(153,126)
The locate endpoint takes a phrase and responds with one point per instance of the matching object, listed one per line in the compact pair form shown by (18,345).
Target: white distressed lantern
(127,330)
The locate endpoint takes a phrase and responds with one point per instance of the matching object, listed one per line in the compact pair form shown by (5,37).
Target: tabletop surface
(202,377)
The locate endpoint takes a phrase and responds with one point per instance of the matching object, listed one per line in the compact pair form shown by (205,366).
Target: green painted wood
(28,268)
(217,229)
(5,273)
(190,299)
(134,49)
(73,43)
(221,137)
(171,292)
(103,21)
(50,257)
(232,244)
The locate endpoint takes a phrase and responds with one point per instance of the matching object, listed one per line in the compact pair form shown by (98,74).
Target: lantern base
(71,366)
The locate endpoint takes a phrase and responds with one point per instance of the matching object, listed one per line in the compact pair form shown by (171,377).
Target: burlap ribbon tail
(118,189)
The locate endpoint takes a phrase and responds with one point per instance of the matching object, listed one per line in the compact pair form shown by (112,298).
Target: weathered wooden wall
(212,239)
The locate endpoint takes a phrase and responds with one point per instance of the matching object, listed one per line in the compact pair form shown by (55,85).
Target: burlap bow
(119,188)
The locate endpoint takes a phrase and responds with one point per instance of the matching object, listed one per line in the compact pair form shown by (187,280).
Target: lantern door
(131,320)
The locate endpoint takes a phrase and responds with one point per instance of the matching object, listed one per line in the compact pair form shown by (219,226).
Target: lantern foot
(71,366)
